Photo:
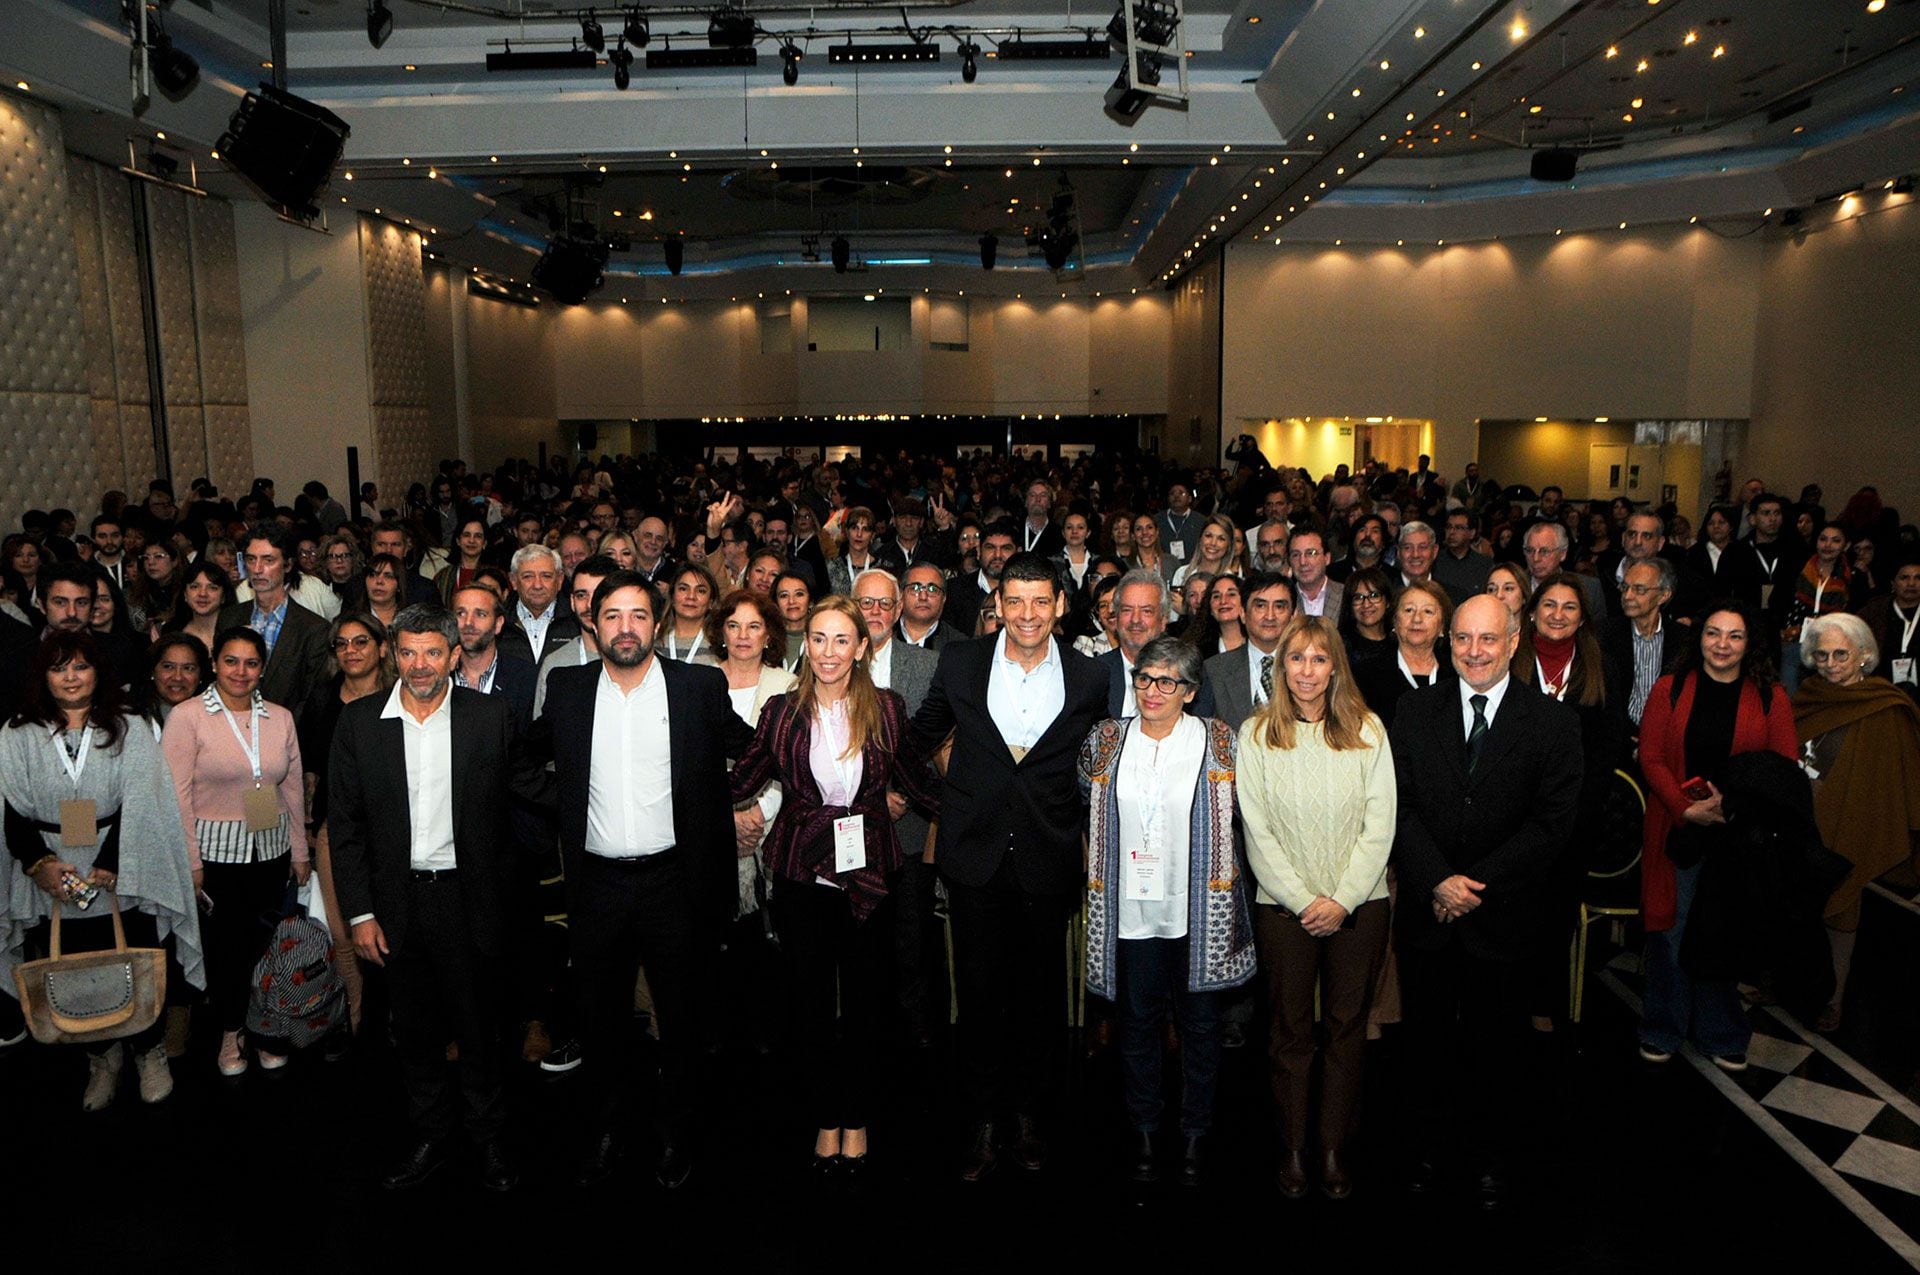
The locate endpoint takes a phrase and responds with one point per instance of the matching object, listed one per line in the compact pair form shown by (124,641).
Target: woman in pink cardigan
(236,769)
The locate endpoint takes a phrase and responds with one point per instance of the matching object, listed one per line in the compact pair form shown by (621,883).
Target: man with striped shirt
(1639,637)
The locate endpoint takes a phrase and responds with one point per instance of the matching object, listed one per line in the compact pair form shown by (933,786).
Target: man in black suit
(1489,775)
(537,625)
(417,791)
(966,594)
(1142,606)
(923,604)
(1018,705)
(1037,533)
(639,747)
(1639,639)
(482,667)
(299,651)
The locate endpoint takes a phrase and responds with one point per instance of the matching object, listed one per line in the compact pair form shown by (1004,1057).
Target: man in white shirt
(1243,680)
(1307,554)
(1418,548)
(538,624)
(430,905)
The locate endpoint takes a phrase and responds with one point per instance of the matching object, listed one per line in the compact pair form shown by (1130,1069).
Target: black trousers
(92,931)
(1153,980)
(920,949)
(443,987)
(840,971)
(623,912)
(1009,958)
(246,906)
(1467,1018)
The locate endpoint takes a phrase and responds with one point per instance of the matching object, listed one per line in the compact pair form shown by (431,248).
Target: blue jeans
(1153,979)
(1678,1007)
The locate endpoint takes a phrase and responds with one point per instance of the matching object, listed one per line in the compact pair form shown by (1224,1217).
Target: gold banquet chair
(1612,889)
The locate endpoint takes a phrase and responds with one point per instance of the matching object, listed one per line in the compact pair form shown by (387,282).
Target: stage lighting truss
(1150,35)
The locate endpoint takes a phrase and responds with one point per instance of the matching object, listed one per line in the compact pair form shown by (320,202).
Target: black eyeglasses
(921,587)
(1165,685)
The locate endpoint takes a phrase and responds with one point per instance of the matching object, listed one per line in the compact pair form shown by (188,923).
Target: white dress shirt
(880,666)
(630,780)
(535,626)
(1494,694)
(1023,704)
(429,746)
(1155,786)
(1314,605)
(921,642)
(1129,704)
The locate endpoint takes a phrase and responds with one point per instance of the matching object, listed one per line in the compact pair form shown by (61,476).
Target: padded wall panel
(187,443)
(83,212)
(406,445)
(216,298)
(122,264)
(46,451)
(172,245)
(229,448)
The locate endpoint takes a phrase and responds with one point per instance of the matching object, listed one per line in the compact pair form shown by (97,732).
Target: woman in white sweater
(1317,799)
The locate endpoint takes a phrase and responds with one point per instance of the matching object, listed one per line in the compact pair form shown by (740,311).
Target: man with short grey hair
(1418,548)
(538,625)
(1142,607)
(1637,638)
(1545,548)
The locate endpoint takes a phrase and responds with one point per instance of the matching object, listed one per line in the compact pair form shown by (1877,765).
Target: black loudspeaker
(589,435)
(571,268)
(1556,164)
(842,255)
(989,250)
(285,147)
(676,253)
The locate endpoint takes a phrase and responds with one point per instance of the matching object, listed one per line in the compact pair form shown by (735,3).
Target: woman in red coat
(1721,701)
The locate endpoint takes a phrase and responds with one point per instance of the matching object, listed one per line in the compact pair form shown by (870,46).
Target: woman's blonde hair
(1347,715)
(863,698)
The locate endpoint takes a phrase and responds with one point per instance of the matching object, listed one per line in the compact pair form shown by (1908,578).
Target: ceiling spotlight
(635,29)
(790,62)
(379,22)
(969,61)
(174,70)
(591,35)
(622,59)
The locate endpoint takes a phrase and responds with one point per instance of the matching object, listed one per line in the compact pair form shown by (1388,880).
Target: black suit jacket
(369,817)
(703,732)
(991,806)
(1382,684)
(943,635)
(1116,667)
(301,659)
(1506,825)
(513,681)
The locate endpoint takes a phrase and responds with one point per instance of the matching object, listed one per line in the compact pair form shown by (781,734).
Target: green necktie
(1477,734)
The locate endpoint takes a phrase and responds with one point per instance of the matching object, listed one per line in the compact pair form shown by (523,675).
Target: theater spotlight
(636,30)
(622,59)
(969,61)
(591,35)
(989,250)
(676,253)
(174,69)
(842,254)
(379,22)
(790,62)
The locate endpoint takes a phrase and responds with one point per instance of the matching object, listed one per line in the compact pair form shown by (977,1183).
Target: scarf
(1868,802)
(1810,599)
(1556,662)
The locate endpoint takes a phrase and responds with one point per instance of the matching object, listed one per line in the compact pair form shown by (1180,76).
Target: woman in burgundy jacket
(1721,701)
(841,748)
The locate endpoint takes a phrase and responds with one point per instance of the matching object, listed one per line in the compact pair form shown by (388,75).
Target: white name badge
(1903,671)
(850,843)
(1145,879)
(1178,548)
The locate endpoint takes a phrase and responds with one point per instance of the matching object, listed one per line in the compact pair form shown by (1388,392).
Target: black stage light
(989,250)
(636,29)
(379,22)
(622,59)
(969,61)
(790,63)
(882,54)
(730,29)
(1555,164)
(1057,248)
(842,254)
(591,35)
(676,253)
(174,69)
(1153,23)
(571,268)
(543,60)
(1020,50)
(684,57)
(285,147)
(1125,102)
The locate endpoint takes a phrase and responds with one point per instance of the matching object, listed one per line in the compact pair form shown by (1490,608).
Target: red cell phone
(1697,789)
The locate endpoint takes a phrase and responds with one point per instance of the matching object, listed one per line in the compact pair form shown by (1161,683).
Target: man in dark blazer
(1018,705)
(477,610)
(923,604)
(1639,642)
(920,975)
(538,624)
(640,746)
(1237,689)
(417,791)
(1489,775)
(967,594)
(298,655)
(1142,605)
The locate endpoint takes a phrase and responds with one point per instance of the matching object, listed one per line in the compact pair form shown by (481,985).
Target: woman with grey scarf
(72,742)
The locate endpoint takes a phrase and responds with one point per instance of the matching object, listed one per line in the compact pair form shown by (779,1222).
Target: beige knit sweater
(1317,821)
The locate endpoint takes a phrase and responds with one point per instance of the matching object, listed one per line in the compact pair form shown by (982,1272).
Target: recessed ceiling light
(1531,110)
(1874,6)
(1253,19)
(1719,50)
(411,67)
(23,86)
(1385,65)
(1419,33)
(493,159)
(1613,50)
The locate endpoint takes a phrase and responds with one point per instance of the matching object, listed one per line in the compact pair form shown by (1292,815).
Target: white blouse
(1156,782)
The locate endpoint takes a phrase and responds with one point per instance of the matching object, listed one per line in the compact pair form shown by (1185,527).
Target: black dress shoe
(980,1156)
(1423,1176)
(420,1162)
(854,1173)
(496,1170)
(1190,1161)
(1490,1191)
(1290,1175)
(673,1168)
(598,1162)
(1144,1167)
(824,1170)
(1335,1182)
(1030,1150)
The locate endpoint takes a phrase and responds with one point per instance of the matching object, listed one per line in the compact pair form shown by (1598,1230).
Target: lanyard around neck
(250,746)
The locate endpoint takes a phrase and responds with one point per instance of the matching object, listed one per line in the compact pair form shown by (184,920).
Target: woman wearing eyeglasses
(1364,612)
(1167,920)
(359,645)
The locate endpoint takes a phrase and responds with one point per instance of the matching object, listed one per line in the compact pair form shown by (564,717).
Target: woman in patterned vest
(1167,919)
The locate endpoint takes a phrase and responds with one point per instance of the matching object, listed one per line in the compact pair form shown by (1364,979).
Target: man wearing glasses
(923,602)
(1307,555)
(298,657)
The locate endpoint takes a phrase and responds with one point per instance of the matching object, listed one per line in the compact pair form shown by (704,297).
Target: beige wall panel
(122,267)
(230,449)
(187,442)
(46,452)
(83,212)
(510,376)
(1040,358)
(216,297)
(41,332)
(172,246)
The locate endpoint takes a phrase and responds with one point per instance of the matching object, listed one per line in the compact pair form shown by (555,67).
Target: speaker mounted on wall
(285,147)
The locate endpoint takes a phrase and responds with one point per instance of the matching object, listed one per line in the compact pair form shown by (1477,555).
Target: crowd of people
(1275,748)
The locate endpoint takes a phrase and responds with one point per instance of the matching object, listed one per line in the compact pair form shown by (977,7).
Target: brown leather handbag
(92,996)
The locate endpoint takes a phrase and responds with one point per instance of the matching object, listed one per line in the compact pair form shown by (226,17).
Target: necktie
(1266,677)
(1477,734)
